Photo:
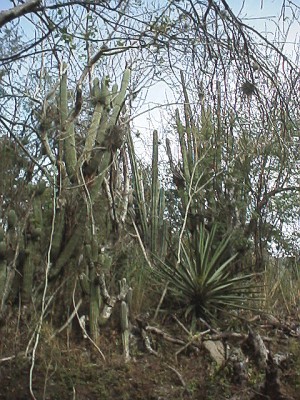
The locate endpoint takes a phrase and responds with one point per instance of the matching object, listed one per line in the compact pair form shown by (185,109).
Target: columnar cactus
(125,330)
(125,297)
(194,175)
(93,290)
(3,261)
(153,224)
(8,244)
(86,167)
(33,235)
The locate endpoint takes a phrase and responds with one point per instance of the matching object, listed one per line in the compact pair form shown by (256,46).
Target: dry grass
(282,287)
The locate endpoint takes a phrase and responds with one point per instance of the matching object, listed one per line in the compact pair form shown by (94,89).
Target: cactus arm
(127,190)
(125,330)
(10,251)
(99,99)
(118,101)
(67,252)
(34,232)
(183,147)
(188,124)
(162,224)
(138,186)
(94,303)
(154,193)
(59,229)
(67,129)
(3,262)
(101,158)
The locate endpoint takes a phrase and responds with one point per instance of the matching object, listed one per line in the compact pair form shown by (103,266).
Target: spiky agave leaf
(202,282)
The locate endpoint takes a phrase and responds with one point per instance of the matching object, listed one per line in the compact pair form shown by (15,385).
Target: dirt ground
(69,367)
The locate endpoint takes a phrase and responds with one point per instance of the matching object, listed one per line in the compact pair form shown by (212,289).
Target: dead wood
(272,388)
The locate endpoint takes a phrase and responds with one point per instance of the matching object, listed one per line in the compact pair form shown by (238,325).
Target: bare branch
(18,11)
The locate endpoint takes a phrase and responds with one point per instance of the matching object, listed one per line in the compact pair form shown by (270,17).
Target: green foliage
(202,282)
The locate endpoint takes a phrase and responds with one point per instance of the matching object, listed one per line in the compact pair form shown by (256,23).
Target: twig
(83,328)
(7,358)
(165,335)
(181,324)
(178,375)
(68,320)
(160,301)
(141,243)
(147,343)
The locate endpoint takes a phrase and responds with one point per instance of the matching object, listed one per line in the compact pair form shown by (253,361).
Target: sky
(261,14)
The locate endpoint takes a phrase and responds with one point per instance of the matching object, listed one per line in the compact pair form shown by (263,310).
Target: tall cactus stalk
(125,330)
(8,250)
(33,236)
(138,188)
(3,261)
(67,128)
(152,222)
(154,194)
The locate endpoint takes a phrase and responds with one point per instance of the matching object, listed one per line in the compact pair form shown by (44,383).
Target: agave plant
(203,282)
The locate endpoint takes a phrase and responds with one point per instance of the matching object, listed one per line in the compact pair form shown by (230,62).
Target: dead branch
(18,11)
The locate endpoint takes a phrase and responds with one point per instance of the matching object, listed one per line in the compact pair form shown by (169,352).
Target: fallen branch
(178,375)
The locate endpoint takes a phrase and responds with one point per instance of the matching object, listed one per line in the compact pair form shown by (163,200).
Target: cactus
(91,256)
(67,128)
(58,235)
(125,296)
(102,123)
(82,169)
(89,167)
(153,224)
(193,177)
(3,262)
(125,330)
(154,193)
(11,219)
(33,243)
(8,247)
(95,300)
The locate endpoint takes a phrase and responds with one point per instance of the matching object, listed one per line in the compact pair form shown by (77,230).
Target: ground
(68,367)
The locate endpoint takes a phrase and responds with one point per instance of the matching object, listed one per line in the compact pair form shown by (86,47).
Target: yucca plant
(203,282)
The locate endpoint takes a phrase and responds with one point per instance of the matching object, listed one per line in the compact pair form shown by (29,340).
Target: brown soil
(71,368)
